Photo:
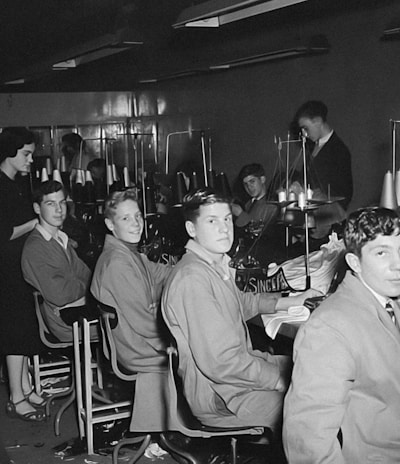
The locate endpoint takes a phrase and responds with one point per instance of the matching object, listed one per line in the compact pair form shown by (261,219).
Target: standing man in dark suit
(329,163)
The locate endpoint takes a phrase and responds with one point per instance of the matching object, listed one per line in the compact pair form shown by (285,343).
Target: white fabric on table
(273,322)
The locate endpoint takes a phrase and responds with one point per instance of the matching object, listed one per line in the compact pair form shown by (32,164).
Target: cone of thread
(388,196)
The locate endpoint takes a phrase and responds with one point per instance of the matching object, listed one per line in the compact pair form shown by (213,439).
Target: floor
(36,443)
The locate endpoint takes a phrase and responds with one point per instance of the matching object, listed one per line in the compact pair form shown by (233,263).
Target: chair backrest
(181,419)
(108,322)
(45,335)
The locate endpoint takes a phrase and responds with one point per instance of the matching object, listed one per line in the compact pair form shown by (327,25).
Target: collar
(223,269)
(381,299)
(323,140)
(60,236)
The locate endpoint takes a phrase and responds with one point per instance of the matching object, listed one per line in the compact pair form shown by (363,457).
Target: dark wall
(245,108)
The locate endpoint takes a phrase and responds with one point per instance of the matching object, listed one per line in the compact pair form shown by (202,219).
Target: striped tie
(389,309)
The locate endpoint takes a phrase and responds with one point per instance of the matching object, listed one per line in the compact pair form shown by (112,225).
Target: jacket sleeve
(216,334)
(316,401)
(47,270)
(121,285)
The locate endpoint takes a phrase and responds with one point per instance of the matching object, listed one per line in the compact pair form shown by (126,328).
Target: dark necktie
(389,309)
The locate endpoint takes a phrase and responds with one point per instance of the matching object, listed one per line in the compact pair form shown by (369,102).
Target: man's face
(52,211)
(23,159)
(213,229)
(311,128)
(254,186)
(379,265)
(127,223)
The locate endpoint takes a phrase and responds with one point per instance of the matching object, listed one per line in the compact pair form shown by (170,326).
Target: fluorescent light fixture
(313,49)
(215,13)
(96,49)
(15,82)
(393,33)
(270,56)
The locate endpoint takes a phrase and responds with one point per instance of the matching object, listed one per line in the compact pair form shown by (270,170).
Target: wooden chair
(182,420)
(89,413)
(109,320)
(52,368)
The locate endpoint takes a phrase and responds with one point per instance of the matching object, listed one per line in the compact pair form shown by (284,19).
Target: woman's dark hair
(364,225)
(201,197)
(13,139)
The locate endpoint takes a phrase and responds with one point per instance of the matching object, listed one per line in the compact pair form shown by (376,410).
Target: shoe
(45,399)
(32,416)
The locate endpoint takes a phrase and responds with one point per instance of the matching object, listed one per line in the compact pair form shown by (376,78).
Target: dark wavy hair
(253,169)
(13,139)
(364,225)
(312,109)
(45,188)
(201,197)
(115,198)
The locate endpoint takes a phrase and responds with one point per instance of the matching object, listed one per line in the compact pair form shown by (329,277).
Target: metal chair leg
(60,412)
(130,441)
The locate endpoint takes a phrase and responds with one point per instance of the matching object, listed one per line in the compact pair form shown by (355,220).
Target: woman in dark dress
(19,333)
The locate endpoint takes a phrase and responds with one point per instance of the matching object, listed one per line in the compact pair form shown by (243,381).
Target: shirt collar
(381,299)
(223,269)
(323,140)
(59,236)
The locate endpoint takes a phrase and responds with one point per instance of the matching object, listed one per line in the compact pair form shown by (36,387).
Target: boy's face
(213,229)
(254,186)
(379,265)
(52,210)
(127,222)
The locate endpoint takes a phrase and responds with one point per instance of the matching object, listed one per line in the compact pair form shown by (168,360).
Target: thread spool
(194,181)
(281,195)
(57,176)
(388,196)
(179,189)
(89,196)
(49,166)
(151,207)
(44,176)
(222,185)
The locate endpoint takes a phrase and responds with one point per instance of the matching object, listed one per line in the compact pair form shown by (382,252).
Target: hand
(237,210)
(297,300)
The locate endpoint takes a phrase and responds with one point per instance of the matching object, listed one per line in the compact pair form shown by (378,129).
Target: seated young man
(132,284)
(51,265)
(343,402)
(256,210)
(225,381)
(128,281)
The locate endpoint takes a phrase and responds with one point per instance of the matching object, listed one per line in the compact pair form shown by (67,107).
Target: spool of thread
(63,164)
(44,176)
(127,181)
(194,181)
(49,166)
(222,185)
(179,189)
(301,200)
(388,196)
(57,176)
(281,195)
(151,207)
(397,187)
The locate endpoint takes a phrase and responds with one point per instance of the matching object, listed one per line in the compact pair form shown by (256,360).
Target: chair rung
(98,419)
(105,407)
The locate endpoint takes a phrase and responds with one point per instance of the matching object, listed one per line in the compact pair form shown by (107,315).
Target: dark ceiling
(34,34)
